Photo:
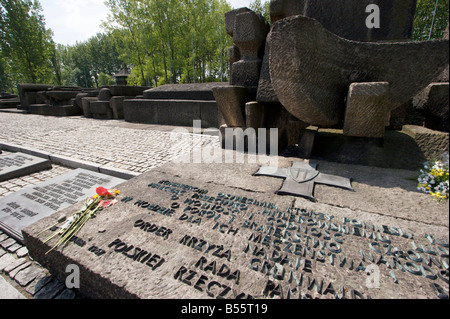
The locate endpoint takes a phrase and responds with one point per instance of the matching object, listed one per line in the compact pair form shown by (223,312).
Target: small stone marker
(20,164)
(31,204)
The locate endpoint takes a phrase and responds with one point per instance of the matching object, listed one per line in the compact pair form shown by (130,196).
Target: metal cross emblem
(301,177)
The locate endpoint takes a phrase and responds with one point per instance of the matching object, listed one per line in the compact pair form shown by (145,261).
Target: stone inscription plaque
(20,164)
(31,204)
(173,237)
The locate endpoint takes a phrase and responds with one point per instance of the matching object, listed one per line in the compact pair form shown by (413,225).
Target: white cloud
(74,20)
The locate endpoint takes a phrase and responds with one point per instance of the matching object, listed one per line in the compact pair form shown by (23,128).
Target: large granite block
(367,112)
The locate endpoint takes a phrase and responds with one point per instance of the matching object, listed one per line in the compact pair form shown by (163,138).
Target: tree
(264,8)
(424,21)
(26,43)
(171,41)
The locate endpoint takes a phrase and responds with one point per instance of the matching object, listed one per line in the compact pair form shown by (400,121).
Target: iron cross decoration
(301,177)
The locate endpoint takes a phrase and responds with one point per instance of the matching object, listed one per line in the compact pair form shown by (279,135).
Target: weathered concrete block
(116,104)
(254,115)
(230,18)
(231,101)
(171,112)
(140,111)
(86,105)
(367,112)
(101,109)
(192,91)
(250,31)
(104,94)
(246,73)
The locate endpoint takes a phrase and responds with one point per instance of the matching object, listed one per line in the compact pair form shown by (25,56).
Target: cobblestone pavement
(133,147)
(128,146)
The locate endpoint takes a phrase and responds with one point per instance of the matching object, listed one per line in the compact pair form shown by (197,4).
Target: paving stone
(22,252)
(66,294)
(38,283)
(7,291)
(51,290)
(7,243)
(6,260)
(27,275)
(15,247)
(14,265)
(14,272)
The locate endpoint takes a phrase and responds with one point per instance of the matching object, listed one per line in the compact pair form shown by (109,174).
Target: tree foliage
(27,48)
(158,41)
(263,8)
(423,22)
(171,41)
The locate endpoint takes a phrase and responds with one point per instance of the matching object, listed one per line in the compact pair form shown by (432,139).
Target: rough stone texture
(104,94)
(101,109)
(231,102)
(116,104)
(50,110)
(6,260)
(265,91)
(50,290)
(347,18)
(311,68)
(254,115)
(86,105)
(192,91)
(344,18)
(246,73)
(171,112)
(433,104)
(406,149)
(381,198)
(126,90)
(250,31)
(431,143)
(367,112)
(230,18)
(26,276)
(27,99)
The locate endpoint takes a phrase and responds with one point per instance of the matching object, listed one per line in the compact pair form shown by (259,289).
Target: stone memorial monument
(324,65)
(19,164)
(185,232)
(29,205)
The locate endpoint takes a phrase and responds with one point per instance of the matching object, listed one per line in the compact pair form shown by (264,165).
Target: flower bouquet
(104,198)
(434,178)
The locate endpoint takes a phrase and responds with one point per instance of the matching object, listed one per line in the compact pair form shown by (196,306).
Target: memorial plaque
(33,203)
(184,231)
(20,164)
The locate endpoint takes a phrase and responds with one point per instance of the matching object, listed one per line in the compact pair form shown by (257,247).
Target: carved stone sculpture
(311,68)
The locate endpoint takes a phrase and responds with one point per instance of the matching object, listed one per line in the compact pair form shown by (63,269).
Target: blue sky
(78,20)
